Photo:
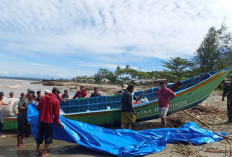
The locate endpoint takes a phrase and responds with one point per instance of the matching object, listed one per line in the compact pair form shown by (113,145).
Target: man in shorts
(48,107)
(164,95)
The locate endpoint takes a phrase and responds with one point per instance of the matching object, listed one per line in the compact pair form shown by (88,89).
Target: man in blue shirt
(95,94)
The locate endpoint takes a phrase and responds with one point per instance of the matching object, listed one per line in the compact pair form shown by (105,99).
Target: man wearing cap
(23,125)
(22,96)
(46,92)
(48,107)
(124,89)
(11,95)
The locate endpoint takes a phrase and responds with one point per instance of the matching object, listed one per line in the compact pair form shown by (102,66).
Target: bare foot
(20,146)
(38,153)
(46,155)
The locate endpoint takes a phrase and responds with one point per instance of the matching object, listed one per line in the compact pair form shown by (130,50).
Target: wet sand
(8,148)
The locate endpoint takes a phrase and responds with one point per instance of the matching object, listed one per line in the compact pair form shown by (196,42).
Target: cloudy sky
(66,38)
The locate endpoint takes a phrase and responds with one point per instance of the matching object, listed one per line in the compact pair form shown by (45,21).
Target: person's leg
(48,138)
(123,120)
(40,135)
(1,128)
(22,137)
(20,145)
(37,149)
(131,120)
(19,135)
(163,114)
(229,108)
(45,154)
(163,122)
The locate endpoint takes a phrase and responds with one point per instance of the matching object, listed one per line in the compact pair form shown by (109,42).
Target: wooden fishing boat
(106,110)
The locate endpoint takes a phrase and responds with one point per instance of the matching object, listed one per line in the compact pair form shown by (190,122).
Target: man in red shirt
(48,107)
(80,94)
(164,95)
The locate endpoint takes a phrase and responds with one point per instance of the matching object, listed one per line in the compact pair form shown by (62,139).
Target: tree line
(214,53)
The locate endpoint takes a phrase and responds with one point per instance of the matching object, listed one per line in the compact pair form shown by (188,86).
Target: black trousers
(44,129)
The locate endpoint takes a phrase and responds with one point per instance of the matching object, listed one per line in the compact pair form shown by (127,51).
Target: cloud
(121,29)
(154,28)
(34,70)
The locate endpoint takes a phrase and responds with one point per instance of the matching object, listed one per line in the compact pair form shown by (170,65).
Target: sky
(68,38)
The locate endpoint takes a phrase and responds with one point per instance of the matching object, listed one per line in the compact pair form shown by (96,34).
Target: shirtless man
(1,109)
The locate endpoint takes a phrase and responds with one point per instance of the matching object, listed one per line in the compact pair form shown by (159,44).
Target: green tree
(105,74)
(177,66)
(215,50)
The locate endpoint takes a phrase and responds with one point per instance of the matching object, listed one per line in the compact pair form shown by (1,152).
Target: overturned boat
(106,110)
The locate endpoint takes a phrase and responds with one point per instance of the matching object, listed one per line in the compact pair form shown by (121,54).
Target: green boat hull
(186,98)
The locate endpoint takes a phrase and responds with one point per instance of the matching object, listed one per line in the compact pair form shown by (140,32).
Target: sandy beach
(212,111)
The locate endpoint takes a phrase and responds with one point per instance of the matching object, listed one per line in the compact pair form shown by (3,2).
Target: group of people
(48,107)
(65,96)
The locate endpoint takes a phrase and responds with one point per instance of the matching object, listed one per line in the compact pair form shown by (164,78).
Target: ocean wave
(13,86)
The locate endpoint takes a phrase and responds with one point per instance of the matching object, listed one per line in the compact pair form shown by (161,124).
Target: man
(48,107)
(39,96)
(80,94)
(228,92)
(128,113)
(95,94)
(11,95)
(65,96)
(124,88)
(22,96)
(47,92)
(23,125)
(164,95)
(1,118)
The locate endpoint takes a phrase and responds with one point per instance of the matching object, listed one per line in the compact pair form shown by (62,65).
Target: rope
(225,137)
(200,155)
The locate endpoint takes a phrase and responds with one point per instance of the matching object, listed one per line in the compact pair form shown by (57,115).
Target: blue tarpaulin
(123,142)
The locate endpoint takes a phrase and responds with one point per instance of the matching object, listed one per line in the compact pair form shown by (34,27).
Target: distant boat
(106,110)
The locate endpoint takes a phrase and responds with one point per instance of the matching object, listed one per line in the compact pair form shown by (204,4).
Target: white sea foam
(14,86)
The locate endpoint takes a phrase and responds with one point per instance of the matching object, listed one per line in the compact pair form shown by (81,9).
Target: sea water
(20,86)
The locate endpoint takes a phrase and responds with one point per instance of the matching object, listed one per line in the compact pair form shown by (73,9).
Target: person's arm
(40,102)
(5,103)
(76,95)
(172,95)
(85,93)
(56,112)
(224,93)
(68,98)
(21,105)
(129,103)
(135,98)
